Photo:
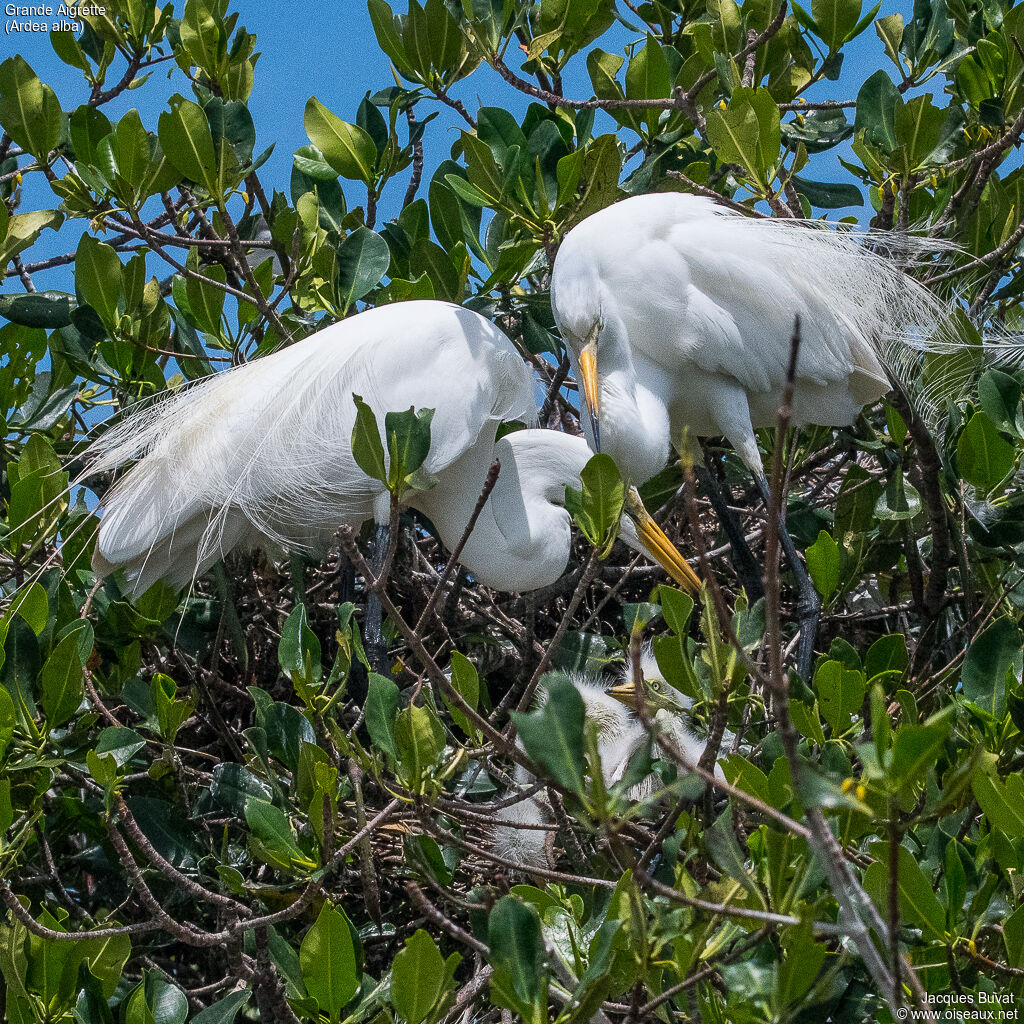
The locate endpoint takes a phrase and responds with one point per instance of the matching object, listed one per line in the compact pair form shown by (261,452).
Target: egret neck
(634,415)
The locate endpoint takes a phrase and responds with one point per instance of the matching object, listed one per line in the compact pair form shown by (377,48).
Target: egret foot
(746,565)
(373,640)
(808,606)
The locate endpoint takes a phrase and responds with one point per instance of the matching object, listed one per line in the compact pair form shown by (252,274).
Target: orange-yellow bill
(591,388)
(658,546)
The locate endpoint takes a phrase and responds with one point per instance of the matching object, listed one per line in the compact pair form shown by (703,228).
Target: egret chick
(671,708)
(618,735)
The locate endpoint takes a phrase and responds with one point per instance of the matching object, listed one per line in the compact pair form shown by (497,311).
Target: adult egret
(261,455)
(518,836)
(678,316)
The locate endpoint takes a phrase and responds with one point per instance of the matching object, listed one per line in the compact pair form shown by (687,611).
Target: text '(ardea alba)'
(261,455)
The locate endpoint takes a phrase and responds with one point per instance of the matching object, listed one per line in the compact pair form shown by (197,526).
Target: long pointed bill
(658,546)
(624,693)
(591,387)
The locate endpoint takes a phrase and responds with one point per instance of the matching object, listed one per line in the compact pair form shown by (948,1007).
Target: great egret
(678,316)
(620,734)
(261,455)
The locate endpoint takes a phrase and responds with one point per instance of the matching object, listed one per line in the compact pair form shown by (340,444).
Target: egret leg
(742,558)
(808,603)
(373,641)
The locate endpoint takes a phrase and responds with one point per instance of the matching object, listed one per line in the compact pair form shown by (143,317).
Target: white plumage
(261,454)
(682,314)
(620,734)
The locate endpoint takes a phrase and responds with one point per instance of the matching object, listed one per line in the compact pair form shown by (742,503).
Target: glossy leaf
(328,961)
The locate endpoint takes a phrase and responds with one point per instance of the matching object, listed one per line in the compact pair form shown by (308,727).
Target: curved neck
(522,535)
(634,417)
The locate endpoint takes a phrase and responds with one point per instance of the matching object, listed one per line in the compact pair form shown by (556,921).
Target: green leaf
(382,706)
(287,728)
(725,851)
(367,449)
(47,309)
(6,807)
(88,127)
(887,654)
(823,564)
(676,608)
(188,143)
(840,693)
(602,498)
(828,195)
(32,605)
(205,300)
(648,77)
(99,279)
(982,455)
(747,132)
(419,740)
(361,261)
(29,111)
(1001,801)
(800,965)
(168,1003)
(915,749)
(513,934)
(61,683)
(835,20)
(389,35)
(1000,396)
(171,714)
(120,743)
(553,734)
(890,31)
(917,900)
(224,1010)
(876,111)
(131,148)
(408,440)
(417,977)
(23,229)
(919,126)
(899,500)
(102,767)
(346,147)
(8,719)
(298,652)
(273,838)
(465,682)
(995,651)
(328,961)
(68,48)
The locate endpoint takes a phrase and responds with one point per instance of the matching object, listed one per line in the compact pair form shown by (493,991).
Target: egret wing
(263,453)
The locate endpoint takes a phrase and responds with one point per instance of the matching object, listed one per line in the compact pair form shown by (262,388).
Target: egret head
(657,693)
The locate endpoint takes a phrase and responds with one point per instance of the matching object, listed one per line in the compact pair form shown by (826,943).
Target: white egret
(261,455)
(678,316)
(620,734)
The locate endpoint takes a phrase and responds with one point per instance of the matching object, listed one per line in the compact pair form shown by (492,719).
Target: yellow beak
(624,693)
(591,388)
(658,546)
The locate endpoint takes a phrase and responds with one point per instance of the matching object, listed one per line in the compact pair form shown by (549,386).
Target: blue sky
(329,51)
